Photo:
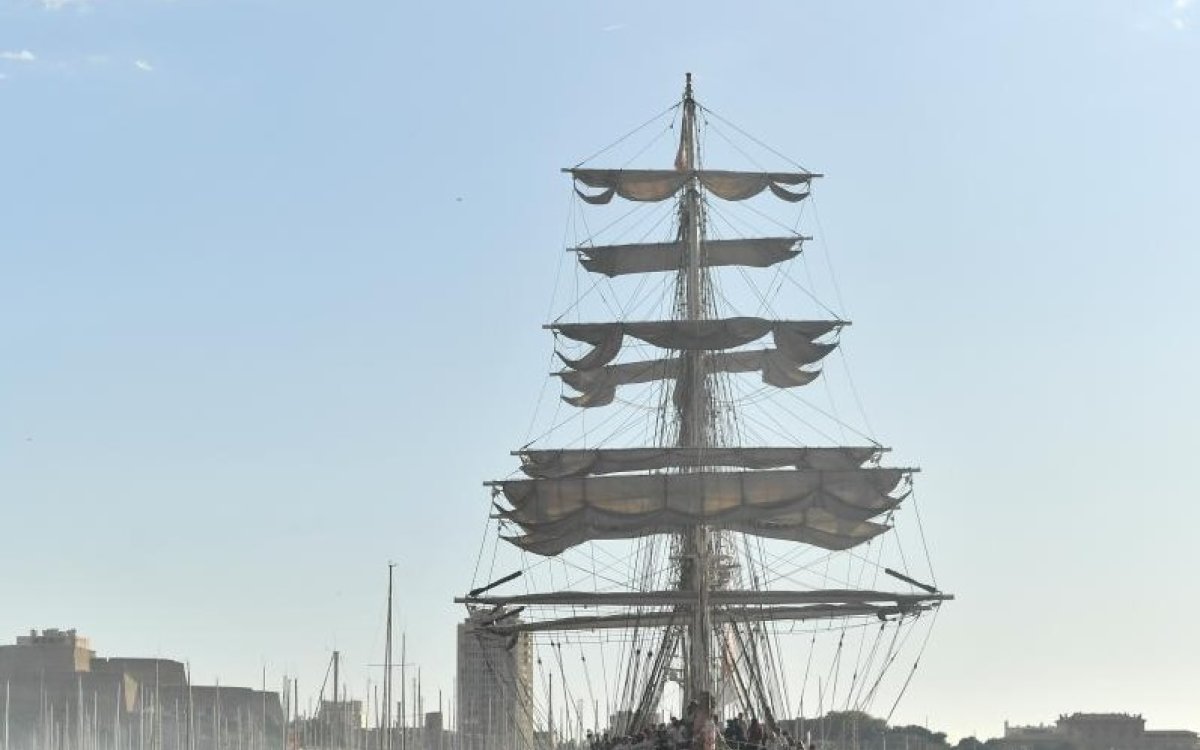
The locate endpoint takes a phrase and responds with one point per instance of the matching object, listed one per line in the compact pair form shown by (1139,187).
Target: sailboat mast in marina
(683,539)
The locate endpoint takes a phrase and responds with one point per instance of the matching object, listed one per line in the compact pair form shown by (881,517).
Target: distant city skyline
(62,668)
(251,256)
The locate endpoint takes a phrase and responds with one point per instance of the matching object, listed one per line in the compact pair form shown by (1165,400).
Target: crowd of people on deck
(701,733)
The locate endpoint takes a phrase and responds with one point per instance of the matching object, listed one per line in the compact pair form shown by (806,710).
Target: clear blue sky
(252,344)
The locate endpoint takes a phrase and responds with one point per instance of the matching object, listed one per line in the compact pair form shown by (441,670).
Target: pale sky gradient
(236,281)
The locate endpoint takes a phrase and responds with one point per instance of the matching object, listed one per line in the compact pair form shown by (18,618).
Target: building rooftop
(52,635)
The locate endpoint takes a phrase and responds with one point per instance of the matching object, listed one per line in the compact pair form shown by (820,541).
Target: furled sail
(660,184)
(828,508)
(815,527)
(602,396)
(559,464)
(797,339)
(852,494)
(599,384)
(776,368)
(619,260)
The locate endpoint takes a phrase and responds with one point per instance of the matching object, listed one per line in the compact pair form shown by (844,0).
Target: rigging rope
(744,134)
(630,134)
(916,663)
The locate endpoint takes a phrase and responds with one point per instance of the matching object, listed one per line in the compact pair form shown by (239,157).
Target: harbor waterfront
(59,695)
(599,376)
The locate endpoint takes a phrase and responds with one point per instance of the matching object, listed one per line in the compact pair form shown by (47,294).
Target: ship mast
(694,420)
(695,487)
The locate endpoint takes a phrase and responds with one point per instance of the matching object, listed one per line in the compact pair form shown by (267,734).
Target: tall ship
(692,537)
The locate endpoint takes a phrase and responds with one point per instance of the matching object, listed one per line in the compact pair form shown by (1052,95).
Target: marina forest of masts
(206,718)
(55,694)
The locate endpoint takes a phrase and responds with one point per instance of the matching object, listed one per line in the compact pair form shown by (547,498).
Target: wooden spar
(680,598)
(669,617)
(805,175)
(900,576)
(495,583)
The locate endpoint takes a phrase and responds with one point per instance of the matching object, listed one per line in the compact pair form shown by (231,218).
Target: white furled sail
(828,506)
(851,494)
(661,184)
(559,464)
(778,369)
(620,260)
(813,526)
(797,339)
